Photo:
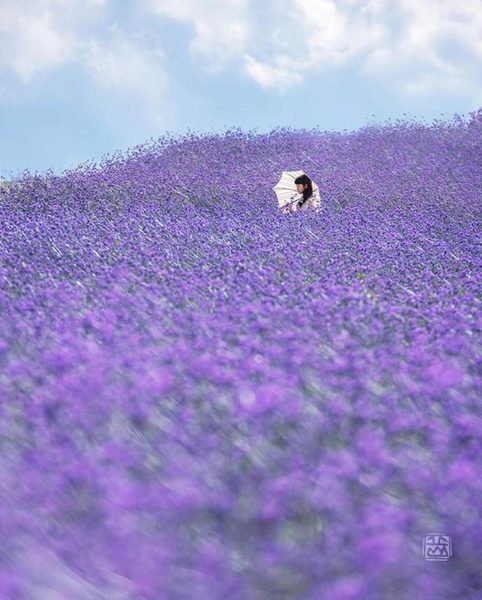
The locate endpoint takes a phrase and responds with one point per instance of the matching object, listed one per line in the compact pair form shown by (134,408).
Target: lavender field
(203,398)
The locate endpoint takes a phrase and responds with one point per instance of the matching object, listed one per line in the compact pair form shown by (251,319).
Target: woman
(305,197)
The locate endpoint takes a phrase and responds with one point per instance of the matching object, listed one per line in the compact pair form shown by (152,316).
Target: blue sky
(80,79)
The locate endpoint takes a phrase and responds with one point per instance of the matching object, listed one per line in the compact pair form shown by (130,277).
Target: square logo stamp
(437,546)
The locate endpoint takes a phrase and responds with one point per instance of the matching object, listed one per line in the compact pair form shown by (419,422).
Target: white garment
(313,201)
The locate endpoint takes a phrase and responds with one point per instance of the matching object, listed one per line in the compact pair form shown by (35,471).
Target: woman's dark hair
(308,191)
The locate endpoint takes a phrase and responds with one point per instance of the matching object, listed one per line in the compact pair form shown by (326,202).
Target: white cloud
(282,75)
(39,36)
(221,27)
(285,42)
(436,48)
(30,41)
(315,35)
(415,46)
(282,43)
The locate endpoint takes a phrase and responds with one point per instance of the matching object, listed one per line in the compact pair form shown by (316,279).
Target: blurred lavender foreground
(203,398)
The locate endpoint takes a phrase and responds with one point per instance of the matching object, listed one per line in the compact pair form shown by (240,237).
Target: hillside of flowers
(204,398)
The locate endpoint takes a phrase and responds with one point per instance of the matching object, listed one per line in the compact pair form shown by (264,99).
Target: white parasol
(286,191)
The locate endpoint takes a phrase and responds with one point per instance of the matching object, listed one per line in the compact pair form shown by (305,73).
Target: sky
(83,79)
